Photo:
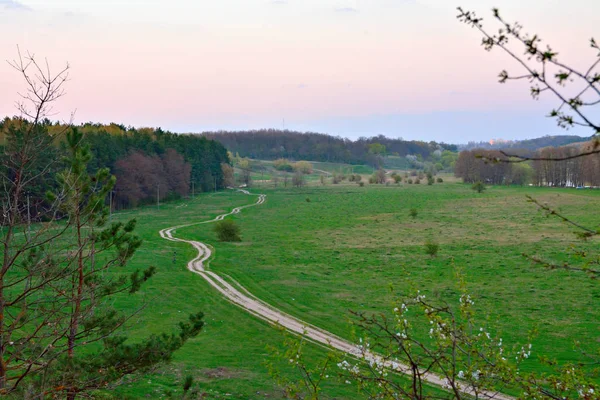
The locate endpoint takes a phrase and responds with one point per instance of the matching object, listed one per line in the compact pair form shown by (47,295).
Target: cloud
(278,2)
(346,10)
(14,5)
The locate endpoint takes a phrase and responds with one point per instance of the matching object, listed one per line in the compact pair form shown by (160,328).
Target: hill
(528,144)
(271,144)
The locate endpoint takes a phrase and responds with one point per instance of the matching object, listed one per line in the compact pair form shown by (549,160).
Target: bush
(417,181)
(430,181)
(283,165)
(431,248)
(440,180)
(397,178)
(413,212)
(361,184)
(479,187)
(227,231)
(409,181)
(304,167)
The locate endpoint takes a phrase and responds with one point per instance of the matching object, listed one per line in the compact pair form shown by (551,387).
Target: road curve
(262,310)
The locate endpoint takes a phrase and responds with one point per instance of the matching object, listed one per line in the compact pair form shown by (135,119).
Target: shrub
(409,181)
(479,187)
(298,179)
(283,165)
(417,181)
(361,184)
(431,248)
(430,181)
(397,178)
(304,167)
(413,212)
(440,180)
(227,231)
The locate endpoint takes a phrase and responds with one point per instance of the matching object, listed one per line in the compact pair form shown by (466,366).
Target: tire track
(266,312)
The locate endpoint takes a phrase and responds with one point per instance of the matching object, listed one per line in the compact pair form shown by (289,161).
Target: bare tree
(29,320)
(577,91)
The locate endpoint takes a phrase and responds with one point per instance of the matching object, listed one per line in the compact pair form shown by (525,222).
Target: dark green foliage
(409,181)
(117,358)
(431,248)
(187,384)
(440,180)
(227,231)
(271,144)
(479,187)
(430,180)
(413,212)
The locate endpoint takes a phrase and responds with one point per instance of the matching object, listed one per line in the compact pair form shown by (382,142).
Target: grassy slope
(227,358)
(342,250)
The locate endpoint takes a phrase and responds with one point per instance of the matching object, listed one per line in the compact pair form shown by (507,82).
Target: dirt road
(244,299)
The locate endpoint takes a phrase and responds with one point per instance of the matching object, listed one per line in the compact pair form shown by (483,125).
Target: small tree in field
(479,187)
(431,248)
(228,231)
(298,179)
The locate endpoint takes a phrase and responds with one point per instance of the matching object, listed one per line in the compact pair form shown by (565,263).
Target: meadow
(320,251)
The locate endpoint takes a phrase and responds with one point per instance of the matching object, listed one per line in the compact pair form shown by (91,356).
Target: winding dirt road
(244,299)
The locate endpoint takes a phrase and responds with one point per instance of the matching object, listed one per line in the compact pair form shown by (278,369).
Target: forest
(272,144)
(147,162)
(566,166)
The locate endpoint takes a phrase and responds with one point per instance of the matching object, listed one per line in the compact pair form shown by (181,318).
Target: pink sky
(342,67)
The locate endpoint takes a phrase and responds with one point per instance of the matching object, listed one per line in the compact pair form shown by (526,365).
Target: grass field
(318,252)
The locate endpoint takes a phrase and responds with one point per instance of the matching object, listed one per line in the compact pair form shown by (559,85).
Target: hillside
(528,144)
(271,144)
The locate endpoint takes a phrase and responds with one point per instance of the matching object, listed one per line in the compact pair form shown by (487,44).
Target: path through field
(244,299)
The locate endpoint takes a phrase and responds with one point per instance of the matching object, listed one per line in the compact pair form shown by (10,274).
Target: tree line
(147,162)
(62,258)
(272,144)
(551,166)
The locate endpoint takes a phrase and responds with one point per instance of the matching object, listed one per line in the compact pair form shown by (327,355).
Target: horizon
(338,67)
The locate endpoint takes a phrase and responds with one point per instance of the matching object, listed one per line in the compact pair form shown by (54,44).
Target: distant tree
(227,231)
(521,174)
(431,248)
(430,180)
(397,178)
(304,167)
(379,176)
(283,164)
(228,178)
(298,179)
(479,187)
(244,165)
(286,179)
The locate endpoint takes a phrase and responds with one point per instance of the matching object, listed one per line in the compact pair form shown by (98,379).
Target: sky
(401,68)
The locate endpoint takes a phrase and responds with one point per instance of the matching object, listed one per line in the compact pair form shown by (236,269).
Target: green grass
(342,251)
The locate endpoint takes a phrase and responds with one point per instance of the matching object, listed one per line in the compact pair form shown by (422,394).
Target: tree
(298,179)
(479,187)
(244,165)
(227,231)
(29,261)
(379,176)
(303,166)
(57,326)
(228,178)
